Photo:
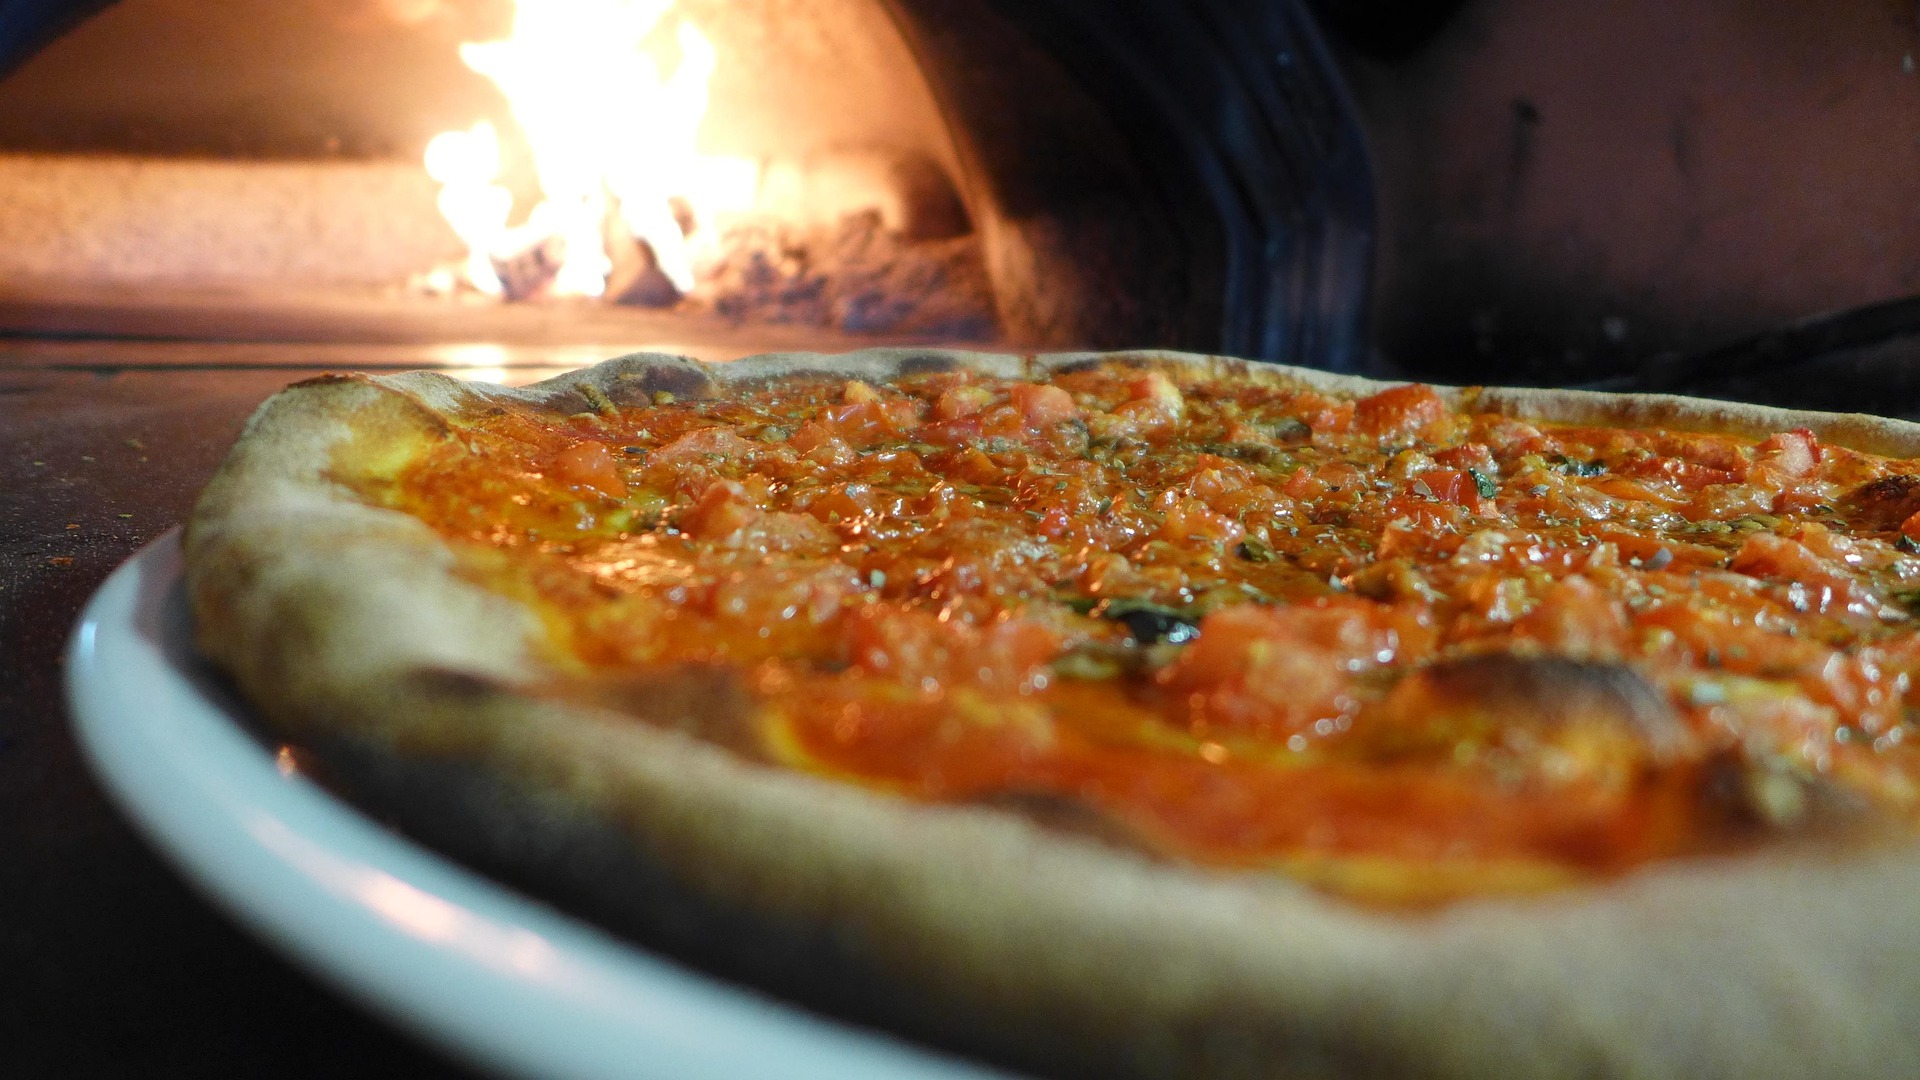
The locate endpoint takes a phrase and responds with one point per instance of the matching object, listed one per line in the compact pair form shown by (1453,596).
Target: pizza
(1132,714)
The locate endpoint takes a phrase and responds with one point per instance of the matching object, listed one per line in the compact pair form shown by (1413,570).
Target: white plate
(498,979)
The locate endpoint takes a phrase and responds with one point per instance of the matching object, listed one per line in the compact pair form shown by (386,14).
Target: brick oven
(956,171)
(1712,200)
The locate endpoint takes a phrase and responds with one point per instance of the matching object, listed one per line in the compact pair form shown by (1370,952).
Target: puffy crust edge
(346,626)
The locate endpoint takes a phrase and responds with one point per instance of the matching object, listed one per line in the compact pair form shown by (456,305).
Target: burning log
(637,279)
(911,194)
(527,270)
(857,276)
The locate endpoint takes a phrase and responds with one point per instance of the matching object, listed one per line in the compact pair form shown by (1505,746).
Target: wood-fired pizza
(1133,714)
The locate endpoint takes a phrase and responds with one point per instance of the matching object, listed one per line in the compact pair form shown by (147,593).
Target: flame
(466,163)
(610,135)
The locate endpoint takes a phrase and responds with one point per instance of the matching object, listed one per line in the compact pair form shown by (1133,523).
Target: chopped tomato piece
(775,609)
(1189,521)
(845,502)
(705,445)
(589,464)
(1688,475)
(1217,483)
(929,653)
(1332,478)
(1447,485)
(1577,618)
(1399,411)
(1043,406)
(962,401)
(1470,456)
(727,515)
(865,423)
(1334,419)
(1793,453)
(1289,669)
(1769,556)
(1160,392)
(721,512)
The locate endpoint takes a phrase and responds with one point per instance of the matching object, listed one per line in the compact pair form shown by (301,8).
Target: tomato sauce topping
(1401,650)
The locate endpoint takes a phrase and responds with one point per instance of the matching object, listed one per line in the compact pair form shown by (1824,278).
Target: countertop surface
(111,965)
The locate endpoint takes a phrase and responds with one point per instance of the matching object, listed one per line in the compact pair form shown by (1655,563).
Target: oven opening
(785,173)
(718,166)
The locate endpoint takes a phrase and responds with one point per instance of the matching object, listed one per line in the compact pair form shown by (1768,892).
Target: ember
(857,277)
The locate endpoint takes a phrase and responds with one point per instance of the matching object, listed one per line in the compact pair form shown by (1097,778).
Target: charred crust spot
(328,379)
(1530,720)
(1883,503)
(1061,813)
(461,687)
(1553,693)
(928,364)
(639,387)
(1091,363)
(707,701)
(1777,793)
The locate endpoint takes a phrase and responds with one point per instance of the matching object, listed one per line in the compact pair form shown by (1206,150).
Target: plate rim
(499,980)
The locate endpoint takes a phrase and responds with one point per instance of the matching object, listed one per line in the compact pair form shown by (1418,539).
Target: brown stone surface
(417,329)
(108,219)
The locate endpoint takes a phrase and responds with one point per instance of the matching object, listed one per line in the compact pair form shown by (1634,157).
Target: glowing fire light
(466,164)
(608,131)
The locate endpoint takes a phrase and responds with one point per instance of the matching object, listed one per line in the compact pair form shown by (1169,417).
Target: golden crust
(1037,947)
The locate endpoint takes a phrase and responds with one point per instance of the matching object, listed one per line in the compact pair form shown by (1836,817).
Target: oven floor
(42,318)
